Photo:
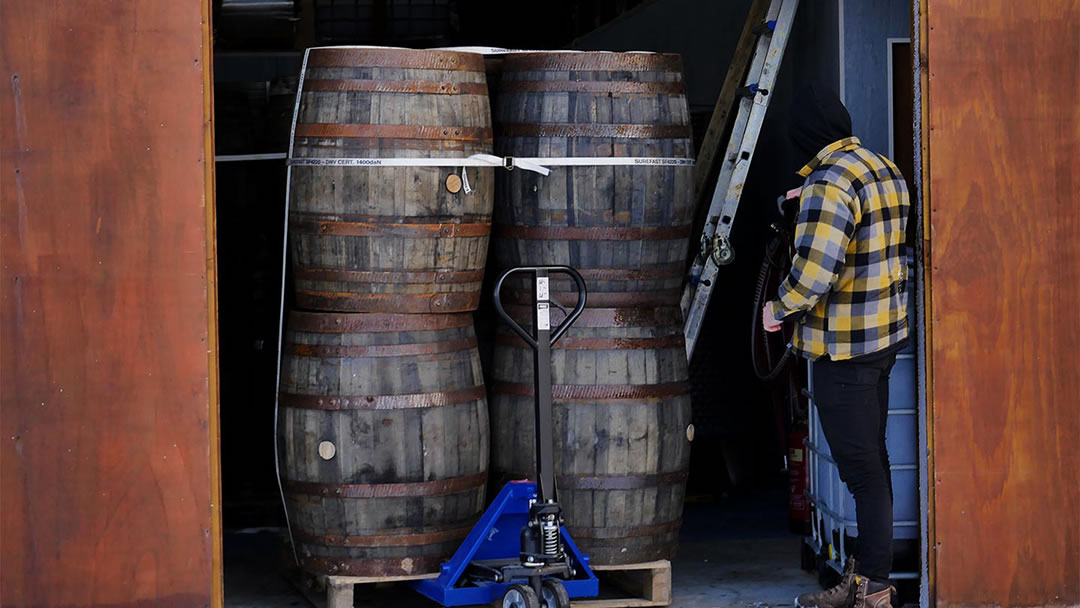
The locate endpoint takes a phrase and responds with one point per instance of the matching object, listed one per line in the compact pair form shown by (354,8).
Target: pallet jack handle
(541,340)
(487,566)
(541,274)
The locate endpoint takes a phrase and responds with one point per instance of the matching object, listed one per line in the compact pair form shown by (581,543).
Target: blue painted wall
(866,26)
(704,32)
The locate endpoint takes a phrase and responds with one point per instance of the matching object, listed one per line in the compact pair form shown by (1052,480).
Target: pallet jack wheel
(520,596)
(554,595)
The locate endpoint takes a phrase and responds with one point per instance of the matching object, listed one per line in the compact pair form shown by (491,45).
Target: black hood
(817,119)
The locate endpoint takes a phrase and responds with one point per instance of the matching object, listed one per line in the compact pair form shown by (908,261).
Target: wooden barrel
(390,239)
(383,431)
(624,228)
(621,427)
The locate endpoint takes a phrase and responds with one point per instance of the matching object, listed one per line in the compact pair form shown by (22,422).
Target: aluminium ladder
(753,103)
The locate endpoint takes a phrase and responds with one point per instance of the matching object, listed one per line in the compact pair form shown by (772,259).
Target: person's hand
(767,321)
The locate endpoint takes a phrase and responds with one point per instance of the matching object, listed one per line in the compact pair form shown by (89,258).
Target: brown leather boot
(840,596)
(865,598)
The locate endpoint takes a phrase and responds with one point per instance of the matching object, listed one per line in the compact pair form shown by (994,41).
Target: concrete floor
(733,557)
(734,554)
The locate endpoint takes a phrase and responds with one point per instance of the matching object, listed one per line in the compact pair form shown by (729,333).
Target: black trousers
(852,397)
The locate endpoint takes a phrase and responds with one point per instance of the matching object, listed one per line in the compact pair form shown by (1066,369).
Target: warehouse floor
(734,553)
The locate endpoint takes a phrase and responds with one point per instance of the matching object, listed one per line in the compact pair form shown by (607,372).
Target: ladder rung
(750,90)
(715,245)
(765,28)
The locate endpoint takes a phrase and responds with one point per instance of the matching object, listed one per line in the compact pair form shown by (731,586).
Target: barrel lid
(361,56)
(498,50)
(358,46)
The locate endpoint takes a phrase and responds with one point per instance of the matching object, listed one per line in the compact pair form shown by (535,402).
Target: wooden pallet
(641,585)
(325,591)
(621,586)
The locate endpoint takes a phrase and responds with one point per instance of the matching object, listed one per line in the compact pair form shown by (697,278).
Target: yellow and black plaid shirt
(849,270)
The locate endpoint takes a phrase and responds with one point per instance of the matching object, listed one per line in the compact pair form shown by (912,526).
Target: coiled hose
(774,268)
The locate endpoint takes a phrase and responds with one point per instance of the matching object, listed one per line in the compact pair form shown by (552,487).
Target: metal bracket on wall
(716,249)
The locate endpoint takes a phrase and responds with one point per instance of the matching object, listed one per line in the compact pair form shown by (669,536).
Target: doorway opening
(739,540)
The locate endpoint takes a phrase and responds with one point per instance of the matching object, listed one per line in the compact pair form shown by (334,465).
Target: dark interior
(738,484)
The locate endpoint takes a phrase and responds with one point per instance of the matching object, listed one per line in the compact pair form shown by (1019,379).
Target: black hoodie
(817,119)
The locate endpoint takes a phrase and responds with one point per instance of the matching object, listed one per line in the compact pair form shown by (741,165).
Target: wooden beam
(108,474)
(740,62)
(1004,144)
(928,279)
(217,566)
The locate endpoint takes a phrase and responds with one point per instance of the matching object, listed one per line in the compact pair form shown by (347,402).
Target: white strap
(482,50)
(465,182)
(538,164)
(476,160)
(579,161)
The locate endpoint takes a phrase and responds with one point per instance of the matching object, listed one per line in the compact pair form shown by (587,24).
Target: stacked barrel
(383,422)
(622,402)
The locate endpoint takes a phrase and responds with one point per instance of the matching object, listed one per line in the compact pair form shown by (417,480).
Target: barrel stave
(595,104)
(401,399)
(620,413)
(351,226)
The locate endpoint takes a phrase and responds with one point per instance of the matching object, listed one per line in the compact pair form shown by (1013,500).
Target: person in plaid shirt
(845,292)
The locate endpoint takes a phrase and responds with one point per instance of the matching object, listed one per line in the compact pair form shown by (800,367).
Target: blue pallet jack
(519,551)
